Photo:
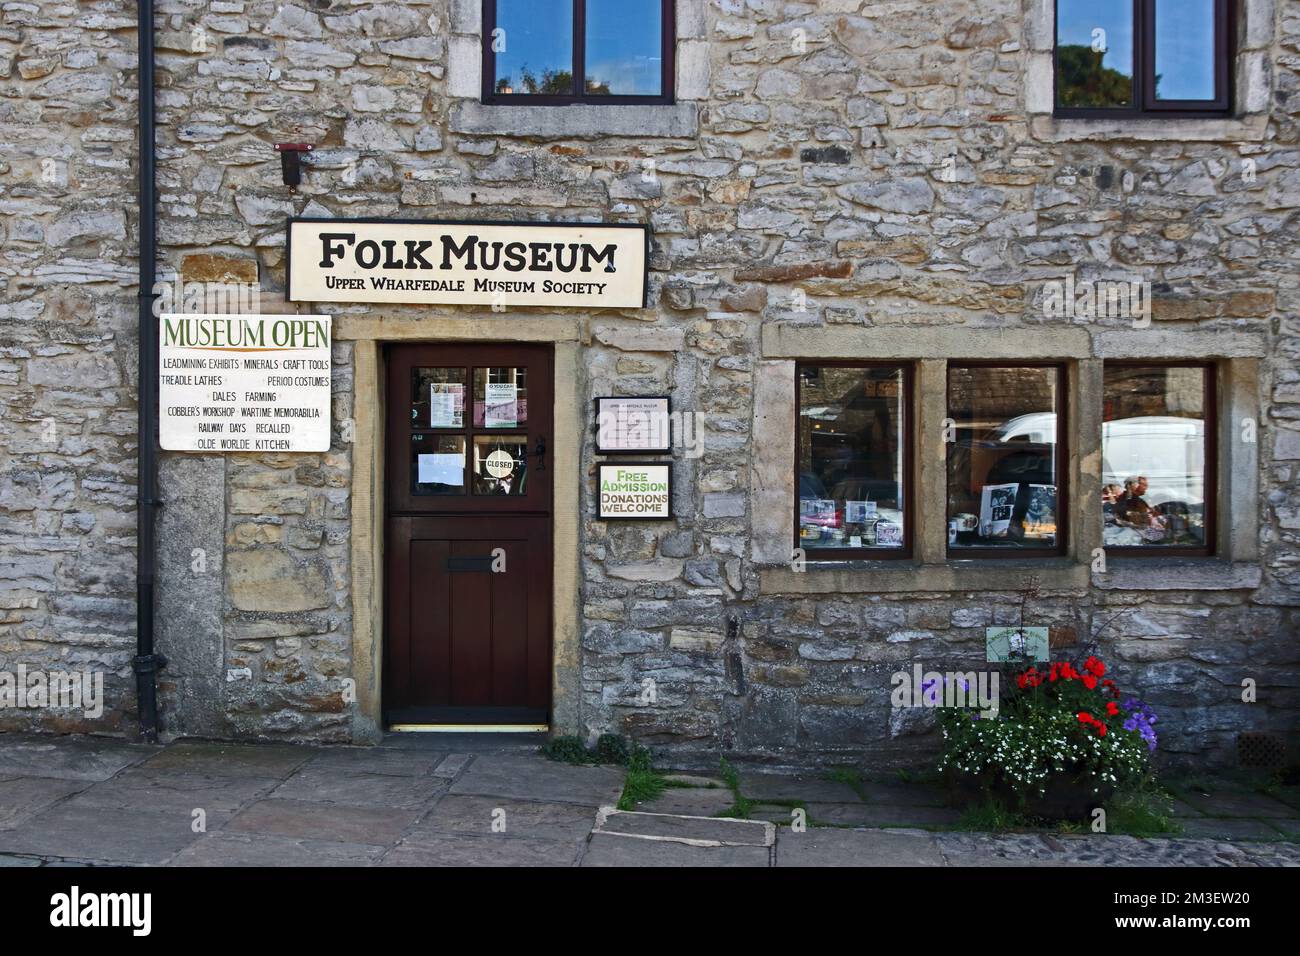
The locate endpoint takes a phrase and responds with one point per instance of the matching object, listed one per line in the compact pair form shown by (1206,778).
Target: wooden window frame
(668,32)
(1145,104)
(1210,479)
(1060,466)
(908,406)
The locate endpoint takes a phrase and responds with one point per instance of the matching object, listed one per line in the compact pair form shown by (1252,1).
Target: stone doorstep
(677,828)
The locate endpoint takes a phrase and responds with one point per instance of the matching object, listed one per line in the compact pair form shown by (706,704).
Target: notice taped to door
(250,383)
(635,490)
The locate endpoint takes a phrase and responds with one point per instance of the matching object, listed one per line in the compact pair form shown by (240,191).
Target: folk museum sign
(562,265)
(244,382)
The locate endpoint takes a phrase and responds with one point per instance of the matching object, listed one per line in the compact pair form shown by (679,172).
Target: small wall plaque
(636,425)
(632,490)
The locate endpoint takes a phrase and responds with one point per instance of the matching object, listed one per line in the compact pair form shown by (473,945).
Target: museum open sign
(561,265)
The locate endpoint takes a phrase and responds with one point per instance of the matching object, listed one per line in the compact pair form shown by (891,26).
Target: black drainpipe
(146,662)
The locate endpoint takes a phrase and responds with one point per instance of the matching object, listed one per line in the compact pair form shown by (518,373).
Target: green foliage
(743,806)
(566,749)
(609,749)
(612,748)
(1083,83)
(989,814)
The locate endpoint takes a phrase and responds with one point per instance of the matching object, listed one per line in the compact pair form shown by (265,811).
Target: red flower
(1085,717)
(1095,667)
(1112,708)
(1090,682)
(1101,729)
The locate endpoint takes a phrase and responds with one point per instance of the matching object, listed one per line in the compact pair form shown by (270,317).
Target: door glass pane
(1185,49)
(534,47)
(438,398)
(625,47)
(500,465)
(851,434)
(437,464)
(501,397)
(1002,458)
(1153,457)
(1094,54)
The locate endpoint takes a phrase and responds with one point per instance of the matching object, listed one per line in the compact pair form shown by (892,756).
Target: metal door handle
(540,452)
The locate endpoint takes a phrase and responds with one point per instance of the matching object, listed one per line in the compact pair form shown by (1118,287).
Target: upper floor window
(554,52)
(1142,57)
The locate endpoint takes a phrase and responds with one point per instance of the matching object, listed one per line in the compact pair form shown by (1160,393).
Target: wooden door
(468,544)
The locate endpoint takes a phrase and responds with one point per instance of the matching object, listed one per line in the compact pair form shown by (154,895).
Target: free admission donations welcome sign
(564,265)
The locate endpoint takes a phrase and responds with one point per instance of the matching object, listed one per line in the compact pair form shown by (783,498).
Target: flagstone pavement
(481,800)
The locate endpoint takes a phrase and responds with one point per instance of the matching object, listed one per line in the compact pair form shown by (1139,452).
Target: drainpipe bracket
(148,663)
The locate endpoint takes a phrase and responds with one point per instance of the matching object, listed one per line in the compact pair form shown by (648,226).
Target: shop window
(1142,57)
(853,454)
(1004,435)
(556,52)
(1158,459)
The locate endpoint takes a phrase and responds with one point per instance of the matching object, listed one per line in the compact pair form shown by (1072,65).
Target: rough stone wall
(867,164)
(67,349)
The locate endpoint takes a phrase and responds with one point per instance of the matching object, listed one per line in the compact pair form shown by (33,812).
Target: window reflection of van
(1167,450)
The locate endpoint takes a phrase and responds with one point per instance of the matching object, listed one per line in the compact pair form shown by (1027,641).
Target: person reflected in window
(1131,508)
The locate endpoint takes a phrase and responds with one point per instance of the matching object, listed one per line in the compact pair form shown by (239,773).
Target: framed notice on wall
(639,425)
(634,490)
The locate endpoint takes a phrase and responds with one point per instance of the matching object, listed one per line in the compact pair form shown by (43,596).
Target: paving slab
(772,786)
(1238,803)
(776,813)
(23,797)
(456,813)
(719,831)
(102,834)
(246,849)
(690,801)
(539,779)
(463,849)
(144,788)
(19,861)
(326,785)
(451,765)
(229,759)
(834,847)
(609,849)
(882,815)
(388,760)
(381,826)
(69,758)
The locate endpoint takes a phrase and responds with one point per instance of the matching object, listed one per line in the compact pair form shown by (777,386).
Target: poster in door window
(447,405)
(996,504)
(500,405)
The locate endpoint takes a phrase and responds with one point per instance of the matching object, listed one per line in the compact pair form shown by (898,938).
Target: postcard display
(631,490)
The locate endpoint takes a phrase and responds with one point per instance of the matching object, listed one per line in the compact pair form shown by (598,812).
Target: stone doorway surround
(368,332)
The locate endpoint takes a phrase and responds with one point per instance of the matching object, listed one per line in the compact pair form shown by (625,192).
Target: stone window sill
(1187,574)
(580,121)
(882,577)
(1050,129)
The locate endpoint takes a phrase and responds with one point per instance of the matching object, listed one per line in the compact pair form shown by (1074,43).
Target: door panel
(468,545)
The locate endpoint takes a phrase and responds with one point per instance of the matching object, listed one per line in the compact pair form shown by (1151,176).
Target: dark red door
(468,543)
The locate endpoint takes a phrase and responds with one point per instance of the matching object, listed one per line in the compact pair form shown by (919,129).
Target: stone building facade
(834,180)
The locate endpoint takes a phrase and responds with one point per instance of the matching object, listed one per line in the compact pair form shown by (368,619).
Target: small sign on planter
(634,490)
